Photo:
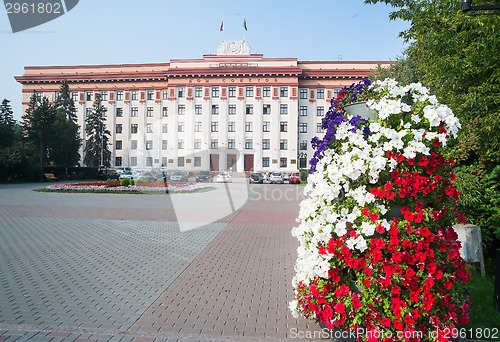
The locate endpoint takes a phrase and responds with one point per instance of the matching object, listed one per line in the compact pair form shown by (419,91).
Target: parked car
(294,178)
(107,174)
(256,177)
(286,177)
(277,177)
(205,176)
(127,175)
(224,177)
(179,176)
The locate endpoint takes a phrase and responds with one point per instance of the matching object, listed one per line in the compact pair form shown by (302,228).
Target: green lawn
(485,320)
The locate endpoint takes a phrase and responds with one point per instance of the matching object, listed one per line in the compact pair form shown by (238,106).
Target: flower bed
(378,214)
(141,187)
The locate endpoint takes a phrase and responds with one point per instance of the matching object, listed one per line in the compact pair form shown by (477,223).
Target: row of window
(214,127)
(182,161)
(214,144)
(198,110)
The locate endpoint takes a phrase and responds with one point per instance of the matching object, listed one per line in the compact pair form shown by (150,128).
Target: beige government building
(230,111)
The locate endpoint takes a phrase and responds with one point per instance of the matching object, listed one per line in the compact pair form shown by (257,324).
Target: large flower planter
(377,250)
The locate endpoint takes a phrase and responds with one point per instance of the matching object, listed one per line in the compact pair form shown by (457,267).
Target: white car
(223,177)
(277,177)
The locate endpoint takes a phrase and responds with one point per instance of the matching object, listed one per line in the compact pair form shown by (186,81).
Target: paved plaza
(116,267)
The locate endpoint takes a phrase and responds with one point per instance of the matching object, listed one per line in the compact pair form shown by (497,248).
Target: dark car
(256,177)
(205,176)
(107,174)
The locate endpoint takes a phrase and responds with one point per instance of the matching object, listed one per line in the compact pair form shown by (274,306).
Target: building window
(180,144)
(149,161)
(134,112)
(135,95)
(119,95)
(181,126)
(88,112)
(89,95)
(197,144)
(303,93)
(149,112)
(249,126)
(74,96)
(232,109)
(303,145)
(164,111)
(215,109)
(283,126)
(164,161)
(150,95)
(320,111)
(165,94)
(118,161)
(149,127)
(215,91)
(302,127)
(197,162)
(197,126)
(181,92)
(181,109)
(320,93)
(134,128)
(249,91)
(214,127)
(319,128)
(118,144)
(133,161)
(266,144)
(180,161)
(133,144)
(198,109)
(266,91)
(266,109)
(164,128)
(164,144)
(231,143)
(119,128)
(214,143)
(283,144)
(104,95)
(198,91)
(283,162)
(232,92)
(265,161)
(149,144)
(266,126)
(248,144)
(335,93)
(303,110)
(283,91)
(231,126)
(249,109)
(119,112)
(283,109)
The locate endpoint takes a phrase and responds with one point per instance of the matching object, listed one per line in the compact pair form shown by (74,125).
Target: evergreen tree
(7,124)
(65,147)
(65,101)
(96,150)
(38,124)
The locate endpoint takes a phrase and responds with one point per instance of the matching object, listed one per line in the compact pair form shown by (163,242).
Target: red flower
(339,308)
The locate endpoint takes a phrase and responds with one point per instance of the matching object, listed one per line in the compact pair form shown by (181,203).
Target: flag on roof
(245,23)
(221,26)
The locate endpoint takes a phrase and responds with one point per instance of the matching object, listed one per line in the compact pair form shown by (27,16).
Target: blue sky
(152,31)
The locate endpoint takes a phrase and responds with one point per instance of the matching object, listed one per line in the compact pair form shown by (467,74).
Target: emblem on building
(233,47)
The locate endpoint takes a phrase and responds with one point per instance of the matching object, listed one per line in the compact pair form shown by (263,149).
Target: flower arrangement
(377,250)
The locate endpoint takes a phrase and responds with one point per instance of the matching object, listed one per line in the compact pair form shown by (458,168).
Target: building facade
(230,111)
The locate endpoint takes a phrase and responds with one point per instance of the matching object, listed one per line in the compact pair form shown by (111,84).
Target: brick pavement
(84,267)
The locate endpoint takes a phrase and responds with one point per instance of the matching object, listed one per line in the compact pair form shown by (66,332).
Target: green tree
(65,146)
(7,124)
(457,56)
(38,124)
(96,150)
